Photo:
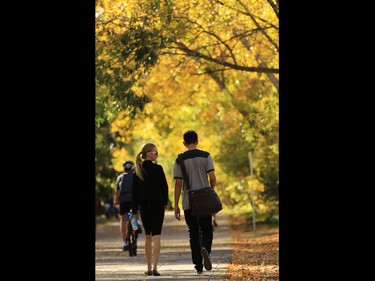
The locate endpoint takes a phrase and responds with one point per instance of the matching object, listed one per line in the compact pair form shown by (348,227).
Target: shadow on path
(111,263)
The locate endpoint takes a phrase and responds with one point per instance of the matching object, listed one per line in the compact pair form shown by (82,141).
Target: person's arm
(212,179)
(164,187)
(117,193)
(177,192)
(211,171)
(135,194)
(116,197)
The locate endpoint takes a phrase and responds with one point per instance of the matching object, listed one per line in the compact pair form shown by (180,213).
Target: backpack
(126,183)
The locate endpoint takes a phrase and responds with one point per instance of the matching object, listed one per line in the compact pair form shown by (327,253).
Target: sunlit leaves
(175,65)
(126,49)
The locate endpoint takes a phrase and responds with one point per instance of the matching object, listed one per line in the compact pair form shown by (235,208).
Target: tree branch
(248,14)
(274,6)
(257,24)
(258,57)
(217,37)
(193,53)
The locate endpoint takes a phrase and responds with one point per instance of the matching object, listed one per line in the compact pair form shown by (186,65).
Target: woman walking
(150,196)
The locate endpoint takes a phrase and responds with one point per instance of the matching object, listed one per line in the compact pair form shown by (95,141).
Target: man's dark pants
(205,224)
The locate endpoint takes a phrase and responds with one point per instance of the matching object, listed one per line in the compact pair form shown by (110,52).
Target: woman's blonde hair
(147,147)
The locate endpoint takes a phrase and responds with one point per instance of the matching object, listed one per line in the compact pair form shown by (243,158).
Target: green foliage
(165,66)
(104,171)
(126,50)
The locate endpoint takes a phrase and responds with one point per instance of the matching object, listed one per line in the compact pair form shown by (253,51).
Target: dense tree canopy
(212,66)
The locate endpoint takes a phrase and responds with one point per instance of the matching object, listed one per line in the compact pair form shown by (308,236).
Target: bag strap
(183,168)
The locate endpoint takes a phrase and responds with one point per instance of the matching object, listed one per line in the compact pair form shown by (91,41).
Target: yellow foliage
(119,156)
(183,96)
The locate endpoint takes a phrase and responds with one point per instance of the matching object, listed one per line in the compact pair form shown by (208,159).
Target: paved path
(175,256)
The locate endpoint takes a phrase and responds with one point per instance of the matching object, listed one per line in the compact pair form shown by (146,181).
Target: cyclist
(123,196)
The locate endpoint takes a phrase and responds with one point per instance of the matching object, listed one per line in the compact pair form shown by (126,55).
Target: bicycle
(132,234)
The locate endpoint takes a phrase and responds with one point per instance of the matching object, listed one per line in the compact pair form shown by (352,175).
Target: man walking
(198,165)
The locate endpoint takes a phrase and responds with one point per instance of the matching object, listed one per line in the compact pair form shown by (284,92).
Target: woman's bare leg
(156,241)
(148,250)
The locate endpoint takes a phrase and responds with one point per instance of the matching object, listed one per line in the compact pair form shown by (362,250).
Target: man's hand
(177,192)
(177,213)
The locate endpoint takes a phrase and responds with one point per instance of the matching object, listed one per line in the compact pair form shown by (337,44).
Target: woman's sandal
(148,272)
(155,273)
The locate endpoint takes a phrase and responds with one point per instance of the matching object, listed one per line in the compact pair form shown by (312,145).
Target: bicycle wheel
(135,246)
(129,237)
(132,251)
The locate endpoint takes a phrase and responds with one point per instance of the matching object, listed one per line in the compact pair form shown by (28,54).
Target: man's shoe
(155,272)
(148,272)
(198,269)
(206,259)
